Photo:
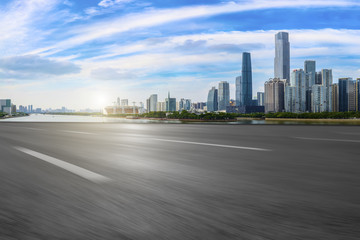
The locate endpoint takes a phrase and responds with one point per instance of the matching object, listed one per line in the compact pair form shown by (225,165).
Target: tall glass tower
(282,56)
(246,81)
(212,102)
(237,93)
(224,95)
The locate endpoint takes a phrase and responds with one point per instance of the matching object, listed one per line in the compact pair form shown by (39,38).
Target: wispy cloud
(155,17)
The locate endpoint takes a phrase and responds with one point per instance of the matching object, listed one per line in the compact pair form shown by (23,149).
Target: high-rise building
(310,79)
(5,106)
(223,95)
(322,100)
(352,95)
(290,96)
(274,95)
(326,76)
(316,98)
(347,95)
(237,91)
(118,101)
(170,103)
(335,97)
(318,78)
(148,105)
(182,104)
(187,106)
(297,80)
(212,101)
(282,56)
(260,98)
(357,94)
(153,102)
(246,81)
(161,107)
(310,71)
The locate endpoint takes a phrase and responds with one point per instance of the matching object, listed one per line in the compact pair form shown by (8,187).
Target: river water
(90,119)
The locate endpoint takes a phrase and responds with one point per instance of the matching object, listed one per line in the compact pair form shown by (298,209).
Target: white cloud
(32,66)
(17,24)
(109,3)
(155,17)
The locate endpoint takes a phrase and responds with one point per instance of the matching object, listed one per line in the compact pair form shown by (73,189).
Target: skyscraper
(290,96)
(246,81)
(310,70)
(260,99)
(223,95)
(326,77)
(346,95)
(170,104)
(335,97)
(357,94)
(318,78)
(187,105)
(274,95)
(297,80)
(212,101)
(153,103)
(310,78)
(282,56)
(237,93)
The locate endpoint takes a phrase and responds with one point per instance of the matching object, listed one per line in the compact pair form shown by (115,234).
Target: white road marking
(86,133)
(211,144)
(328,139)
(94,177)
(37,129)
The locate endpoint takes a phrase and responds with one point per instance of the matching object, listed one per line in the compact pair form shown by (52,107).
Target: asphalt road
(178,181)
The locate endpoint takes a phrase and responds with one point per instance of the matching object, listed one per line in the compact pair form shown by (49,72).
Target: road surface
(179,181)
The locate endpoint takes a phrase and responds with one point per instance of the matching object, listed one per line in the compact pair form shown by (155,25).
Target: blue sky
(85,53)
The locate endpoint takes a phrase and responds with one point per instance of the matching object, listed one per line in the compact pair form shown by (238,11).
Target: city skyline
(88,53)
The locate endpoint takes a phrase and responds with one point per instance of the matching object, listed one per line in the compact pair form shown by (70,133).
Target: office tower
(318,78)
(310,71)
(212,101)
(124,102)
(260,99)
(357,94)
(148,105)
(326,76)
(170,104)
(282,56)
(118,101)
(187,105)
(352,95)
(181,104)
(274,95)
(237,93)
(297,80)
(335,97)
(316,98)
(5,106)
(223,95)
(322,100)
(310,79)
(290,96)
(246,81)
(153,103)
(346,95)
